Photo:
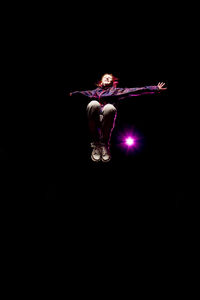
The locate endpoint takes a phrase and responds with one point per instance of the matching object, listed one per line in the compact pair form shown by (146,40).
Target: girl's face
(106,79)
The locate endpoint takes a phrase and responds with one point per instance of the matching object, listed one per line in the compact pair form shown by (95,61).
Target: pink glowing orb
(129,141)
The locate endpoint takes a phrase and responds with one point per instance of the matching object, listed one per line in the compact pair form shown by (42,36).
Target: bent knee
(93,104)
(109,109)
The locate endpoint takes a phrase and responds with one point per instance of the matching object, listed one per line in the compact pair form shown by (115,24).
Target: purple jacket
(103,95)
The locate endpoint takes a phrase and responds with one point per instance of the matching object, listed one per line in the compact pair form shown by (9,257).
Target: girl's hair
(114,81)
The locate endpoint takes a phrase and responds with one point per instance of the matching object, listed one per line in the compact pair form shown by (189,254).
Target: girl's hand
(160,86)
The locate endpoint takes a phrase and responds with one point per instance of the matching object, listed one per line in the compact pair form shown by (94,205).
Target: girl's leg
(108,122)
(93,113)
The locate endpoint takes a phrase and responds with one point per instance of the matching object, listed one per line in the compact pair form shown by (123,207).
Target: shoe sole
(107,160)
(95,160)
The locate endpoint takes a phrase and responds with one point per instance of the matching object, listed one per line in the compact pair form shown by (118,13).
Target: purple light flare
(129,141)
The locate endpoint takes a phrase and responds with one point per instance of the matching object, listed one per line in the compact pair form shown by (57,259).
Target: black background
(45,153)
(52,162)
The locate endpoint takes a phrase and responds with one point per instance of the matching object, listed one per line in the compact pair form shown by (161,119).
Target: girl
(102,112)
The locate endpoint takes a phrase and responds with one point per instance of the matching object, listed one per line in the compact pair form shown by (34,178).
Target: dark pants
(101,120)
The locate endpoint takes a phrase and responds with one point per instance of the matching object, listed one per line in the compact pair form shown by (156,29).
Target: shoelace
(105,150)
(97,148)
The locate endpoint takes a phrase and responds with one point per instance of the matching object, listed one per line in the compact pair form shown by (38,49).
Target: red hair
(114,81)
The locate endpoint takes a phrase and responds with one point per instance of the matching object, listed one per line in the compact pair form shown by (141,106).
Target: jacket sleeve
(136,91)
(89,93)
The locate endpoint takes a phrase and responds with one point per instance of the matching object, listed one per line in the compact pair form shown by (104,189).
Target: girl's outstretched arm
(88,93)
(141,90)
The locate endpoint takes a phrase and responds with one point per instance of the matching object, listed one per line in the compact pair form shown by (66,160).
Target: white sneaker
(105,153)
(96,152)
